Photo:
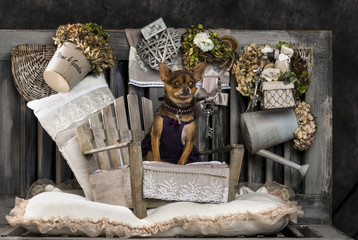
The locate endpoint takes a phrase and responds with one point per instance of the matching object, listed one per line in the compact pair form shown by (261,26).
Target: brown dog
(173,131)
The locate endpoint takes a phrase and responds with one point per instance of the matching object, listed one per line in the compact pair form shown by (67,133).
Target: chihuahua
(173,133)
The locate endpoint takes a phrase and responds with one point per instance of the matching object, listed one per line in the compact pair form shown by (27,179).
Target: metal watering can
(265,129)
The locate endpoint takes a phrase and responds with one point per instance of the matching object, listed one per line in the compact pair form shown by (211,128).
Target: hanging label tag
(153,28)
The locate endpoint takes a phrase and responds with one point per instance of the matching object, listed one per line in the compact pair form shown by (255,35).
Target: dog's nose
(185,90)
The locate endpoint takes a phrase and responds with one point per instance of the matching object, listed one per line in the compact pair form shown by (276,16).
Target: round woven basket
(28,62)
(162,49)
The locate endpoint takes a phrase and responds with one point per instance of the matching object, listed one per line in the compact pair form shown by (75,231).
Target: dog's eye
(176,84)
(191,84)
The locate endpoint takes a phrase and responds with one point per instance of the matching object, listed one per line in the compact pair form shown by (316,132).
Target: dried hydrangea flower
(305,133)
(244,70)
(92,40)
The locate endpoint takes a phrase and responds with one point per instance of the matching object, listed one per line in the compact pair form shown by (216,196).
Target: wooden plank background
(27,152)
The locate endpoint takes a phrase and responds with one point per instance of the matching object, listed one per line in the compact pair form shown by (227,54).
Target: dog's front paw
(181,162)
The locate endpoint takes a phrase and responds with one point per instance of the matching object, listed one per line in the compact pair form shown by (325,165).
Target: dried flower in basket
(305,133)
(299,68)
(200,46)
(92,40)
(298,74)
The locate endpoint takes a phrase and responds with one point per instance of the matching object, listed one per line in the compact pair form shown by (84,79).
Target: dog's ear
(164,71)
(199,70)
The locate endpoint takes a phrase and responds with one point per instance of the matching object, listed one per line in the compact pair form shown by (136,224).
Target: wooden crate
(24,154)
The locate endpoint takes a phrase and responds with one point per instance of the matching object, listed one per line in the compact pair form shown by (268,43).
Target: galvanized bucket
(265,129)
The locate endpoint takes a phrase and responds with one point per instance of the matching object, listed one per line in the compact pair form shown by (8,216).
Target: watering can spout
(267,154)
(303,169)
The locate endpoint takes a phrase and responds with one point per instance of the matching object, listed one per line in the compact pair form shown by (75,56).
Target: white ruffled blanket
(58,213)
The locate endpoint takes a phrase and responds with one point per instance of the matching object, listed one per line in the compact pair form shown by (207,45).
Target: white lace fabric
(76,110)
(203,183)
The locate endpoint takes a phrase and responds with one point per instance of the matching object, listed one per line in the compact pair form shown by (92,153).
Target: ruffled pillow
(57,213)
(61,113)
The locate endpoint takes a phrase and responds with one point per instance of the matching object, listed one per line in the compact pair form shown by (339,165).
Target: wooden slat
(116,146)
(22,163)
(30,148)
(237,154)
(63,171)
(154,94)
(221,135)
(226,148)
(7,203)
(237,106)
(287,155)
(295,231)
(134,118)
(11,38)
(112,187)
(278,169)
(119,76)
(48,157)
(201,141)
(235,112)
(85,136)
(40,157)
(317,209)
(99,139)
(318,179)
(217,138)
(112,81)
(292,177)
(13,232)
(122,124)
(136,171)
(269,169)
(148,114)
(256,171)
(111,130)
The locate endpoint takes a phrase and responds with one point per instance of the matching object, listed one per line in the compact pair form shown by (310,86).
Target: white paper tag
(153,28)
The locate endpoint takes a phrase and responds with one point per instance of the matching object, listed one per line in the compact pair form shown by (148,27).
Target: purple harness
(171,146)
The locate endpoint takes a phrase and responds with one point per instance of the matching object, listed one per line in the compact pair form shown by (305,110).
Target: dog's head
(179,85)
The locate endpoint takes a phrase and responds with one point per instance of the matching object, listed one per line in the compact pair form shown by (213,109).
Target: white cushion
(60,114)
(56,213)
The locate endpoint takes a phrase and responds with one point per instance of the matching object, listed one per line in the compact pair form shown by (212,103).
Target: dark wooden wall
(339,16)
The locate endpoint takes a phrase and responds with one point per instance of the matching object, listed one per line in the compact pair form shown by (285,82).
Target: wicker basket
(28,63)
(162,49)
(277,95)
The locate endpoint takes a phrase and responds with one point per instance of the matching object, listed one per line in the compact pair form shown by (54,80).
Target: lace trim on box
(171,184)
(76,110)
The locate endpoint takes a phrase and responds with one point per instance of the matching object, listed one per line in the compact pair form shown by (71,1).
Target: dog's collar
(173,108)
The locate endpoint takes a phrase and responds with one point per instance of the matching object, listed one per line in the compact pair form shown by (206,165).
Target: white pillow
(56,213)
(60,114)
